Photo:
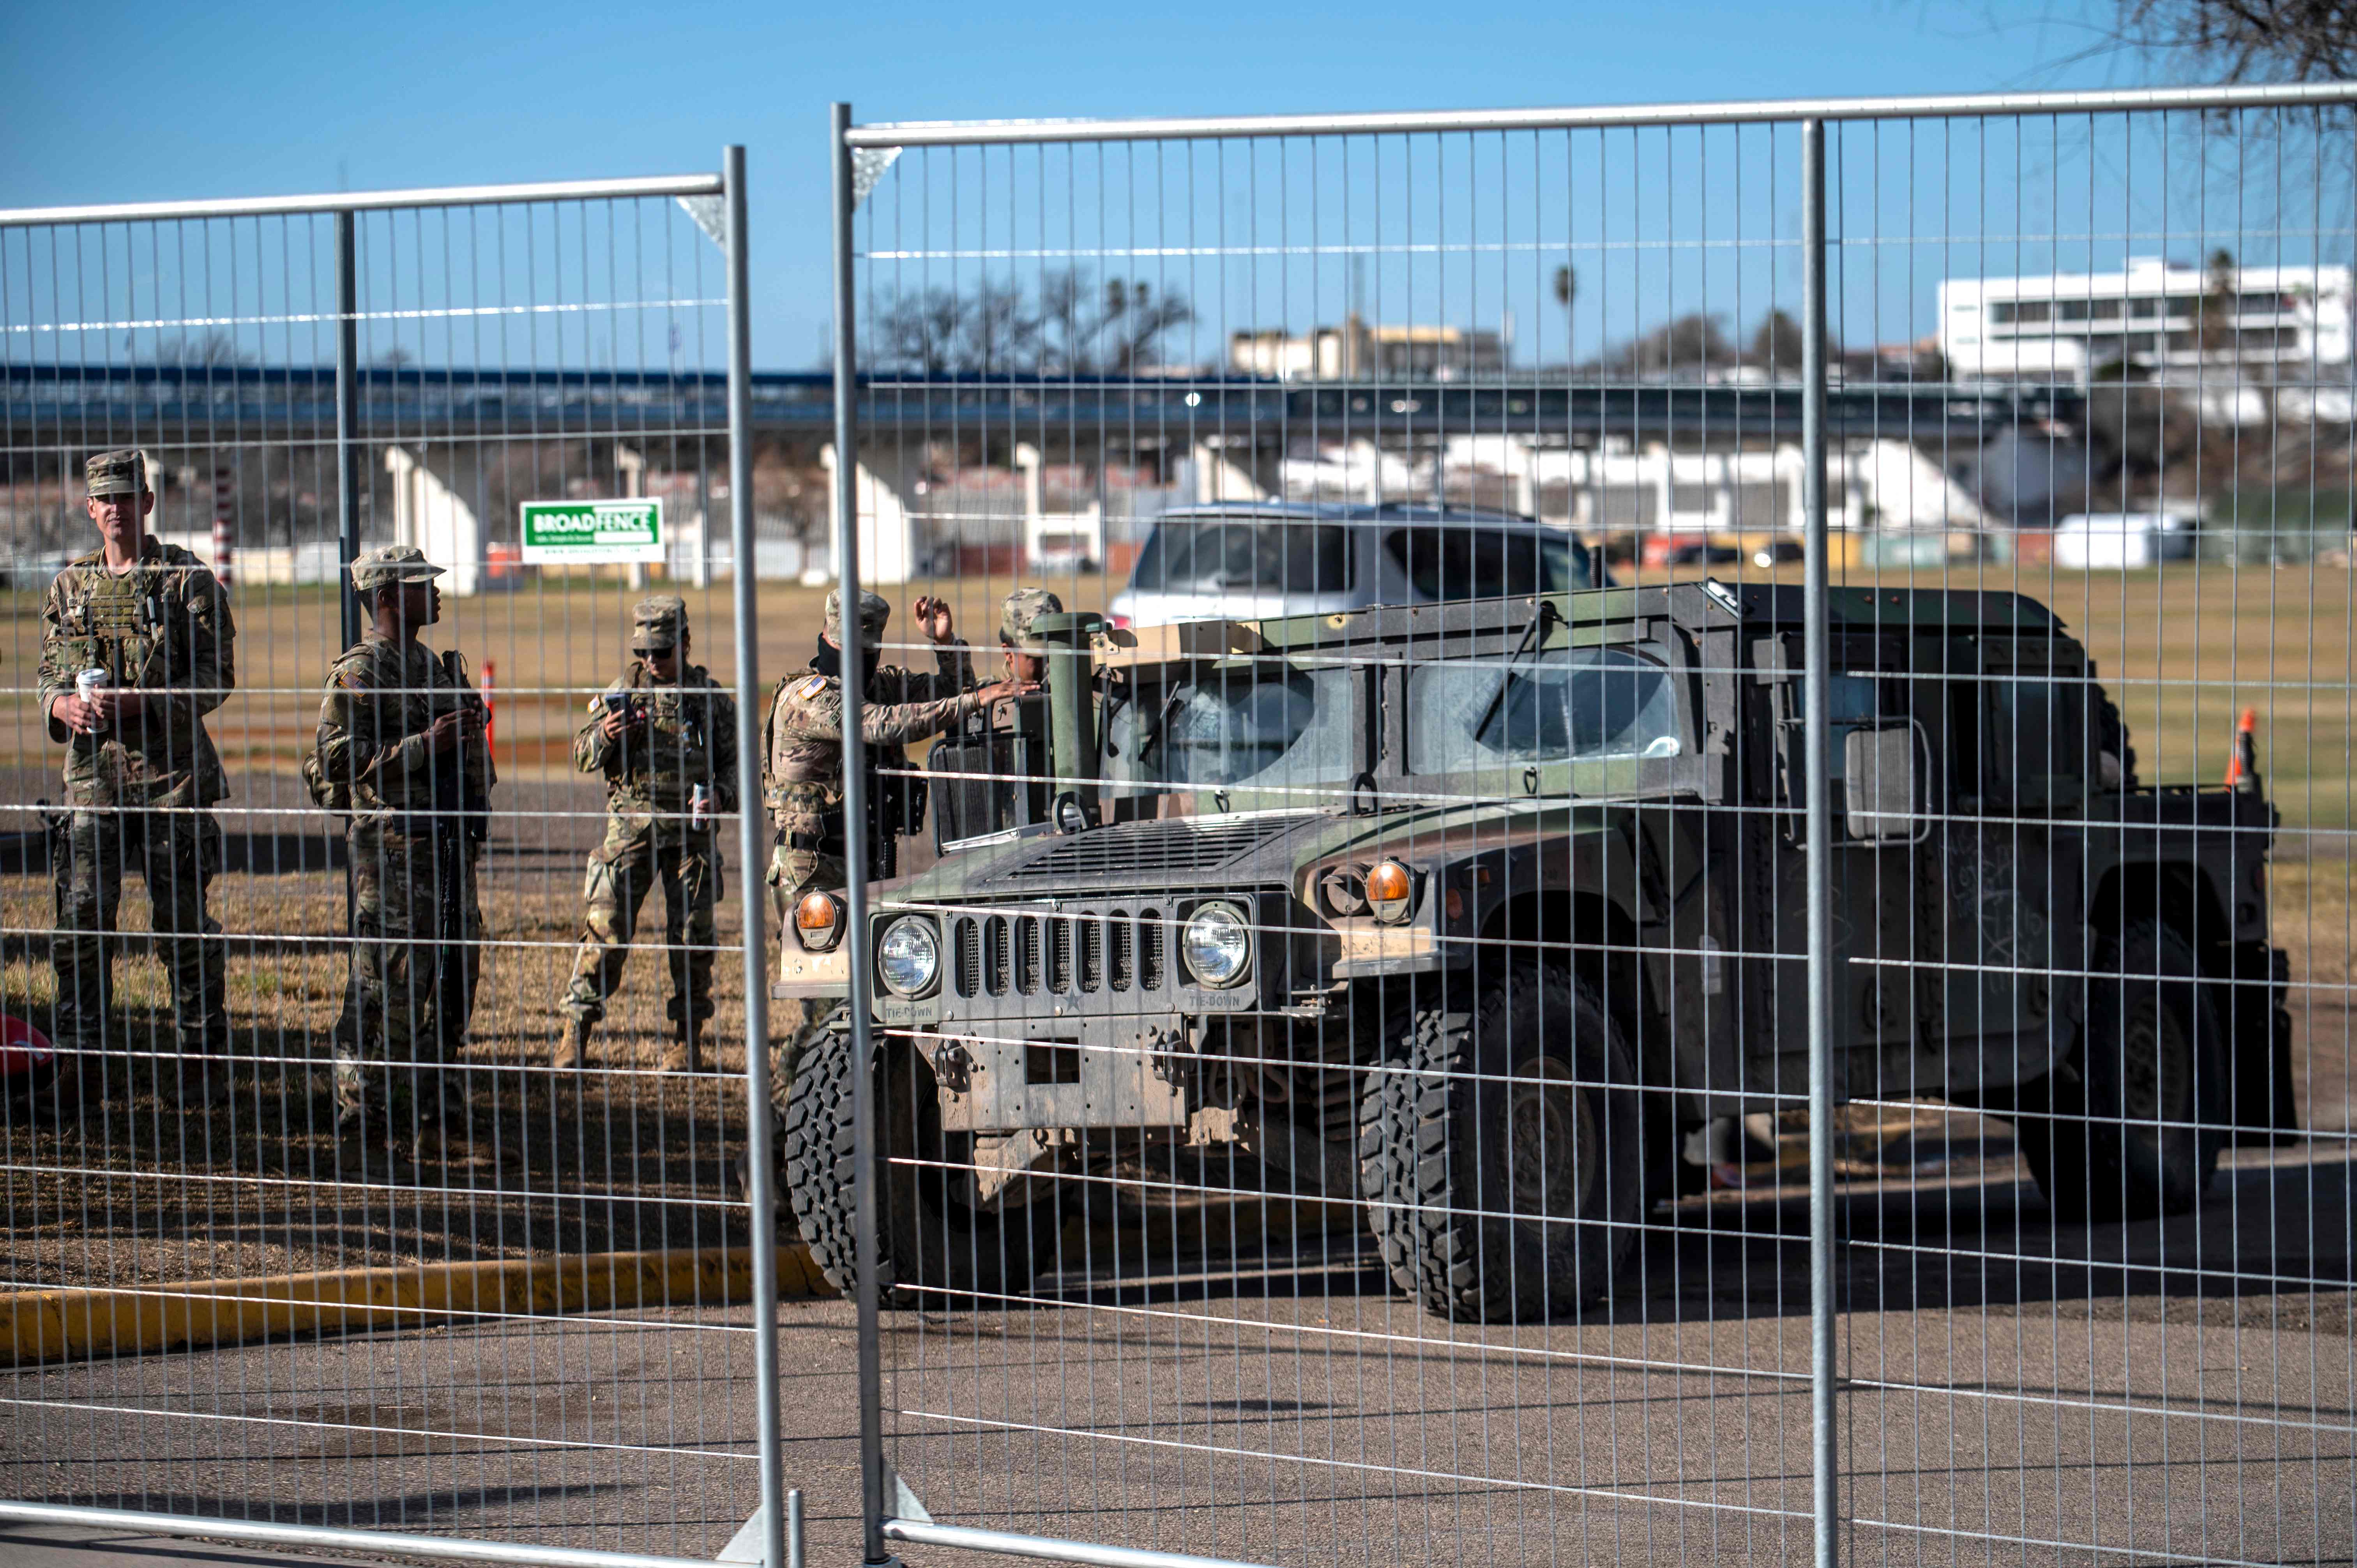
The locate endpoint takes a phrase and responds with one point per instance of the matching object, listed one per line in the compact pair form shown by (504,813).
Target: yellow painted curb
(83,1325)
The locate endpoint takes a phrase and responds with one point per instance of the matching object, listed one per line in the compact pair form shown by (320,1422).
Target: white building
(1879,484)
(1359,350)
(2284,323)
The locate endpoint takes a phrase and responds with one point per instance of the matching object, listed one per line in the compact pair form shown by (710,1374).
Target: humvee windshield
(1273,724)
(1568,705)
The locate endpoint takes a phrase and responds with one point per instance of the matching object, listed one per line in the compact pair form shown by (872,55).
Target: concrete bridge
(51,407)
(1612,456)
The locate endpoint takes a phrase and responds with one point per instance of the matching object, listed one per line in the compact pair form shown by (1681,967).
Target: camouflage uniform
(802,751)
(1016,614)
(138,791)
(688,738)
(415,836)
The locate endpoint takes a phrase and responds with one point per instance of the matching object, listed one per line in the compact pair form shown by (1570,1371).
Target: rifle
(461,817)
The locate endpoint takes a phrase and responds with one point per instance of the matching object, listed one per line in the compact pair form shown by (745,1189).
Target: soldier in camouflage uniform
(1025,651)
(801,746)
(661,732)
(140,769)
(400,748)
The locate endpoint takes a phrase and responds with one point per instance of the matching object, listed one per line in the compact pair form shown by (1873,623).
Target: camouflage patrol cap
(873,613)
(118,473)
(659,620)
(390,563)
(1023,606)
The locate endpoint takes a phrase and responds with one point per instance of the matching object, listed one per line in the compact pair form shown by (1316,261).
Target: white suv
(1283,558)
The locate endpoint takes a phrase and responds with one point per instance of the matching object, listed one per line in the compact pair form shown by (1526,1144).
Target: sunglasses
(665,652)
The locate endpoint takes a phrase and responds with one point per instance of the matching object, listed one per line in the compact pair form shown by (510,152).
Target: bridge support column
(888,545)
(1228,474)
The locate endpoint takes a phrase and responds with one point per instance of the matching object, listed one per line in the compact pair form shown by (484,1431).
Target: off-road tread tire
(2084,1165)
(923,1258)
(1413,1192)
(815,1155)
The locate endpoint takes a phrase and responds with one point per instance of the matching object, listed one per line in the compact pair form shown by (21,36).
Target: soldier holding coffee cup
(136,649)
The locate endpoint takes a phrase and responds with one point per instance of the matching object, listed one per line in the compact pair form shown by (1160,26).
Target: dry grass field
(620,1157)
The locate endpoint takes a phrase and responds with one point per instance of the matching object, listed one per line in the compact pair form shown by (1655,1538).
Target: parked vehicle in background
(1286,558)
(2123,541)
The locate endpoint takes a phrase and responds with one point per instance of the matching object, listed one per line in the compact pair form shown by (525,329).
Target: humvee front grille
(1032,955)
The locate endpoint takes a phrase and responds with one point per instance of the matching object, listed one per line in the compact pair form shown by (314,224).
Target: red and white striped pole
(222,549)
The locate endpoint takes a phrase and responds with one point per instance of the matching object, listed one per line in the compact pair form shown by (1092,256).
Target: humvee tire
(2119,1141)
(1495,1200)
(931,1250)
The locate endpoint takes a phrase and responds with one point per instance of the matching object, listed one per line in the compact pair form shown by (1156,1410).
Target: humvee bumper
(811,976)
(1101,1073)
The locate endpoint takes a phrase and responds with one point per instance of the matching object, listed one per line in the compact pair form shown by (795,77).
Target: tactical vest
(139,627)
(672,753)
(134,626)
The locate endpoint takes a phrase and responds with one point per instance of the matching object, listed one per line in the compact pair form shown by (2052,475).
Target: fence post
(874,1506)
(348,416)
(760,1195)
(1824,1449)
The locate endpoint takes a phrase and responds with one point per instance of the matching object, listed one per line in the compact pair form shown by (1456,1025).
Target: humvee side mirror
(1882,781)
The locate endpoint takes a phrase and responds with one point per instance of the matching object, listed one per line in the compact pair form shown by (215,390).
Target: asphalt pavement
(70,1546)
(2182,1391)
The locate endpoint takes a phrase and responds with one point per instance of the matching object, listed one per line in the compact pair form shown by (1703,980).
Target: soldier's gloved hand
(935,617)
(1001,691)
(452,728)
(614,725)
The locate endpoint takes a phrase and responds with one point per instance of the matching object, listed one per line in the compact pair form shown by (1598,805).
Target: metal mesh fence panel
(352,1177)
(1457,999)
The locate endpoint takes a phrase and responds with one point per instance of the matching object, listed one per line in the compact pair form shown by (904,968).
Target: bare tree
(2248,41)
(215,348)
(1071,326)
(1691,342)
(1114,332)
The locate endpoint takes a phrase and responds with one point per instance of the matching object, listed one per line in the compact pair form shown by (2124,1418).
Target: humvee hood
(1179,852)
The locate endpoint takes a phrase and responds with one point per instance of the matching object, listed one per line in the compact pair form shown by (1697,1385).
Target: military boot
(573,1050)
(685,1052)
(202,1083)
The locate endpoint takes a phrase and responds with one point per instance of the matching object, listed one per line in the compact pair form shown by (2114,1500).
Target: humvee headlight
(1217,943)
(910,956)
(818,921)
(1390,891)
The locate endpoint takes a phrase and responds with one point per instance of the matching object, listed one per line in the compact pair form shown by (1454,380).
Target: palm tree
(1567,289)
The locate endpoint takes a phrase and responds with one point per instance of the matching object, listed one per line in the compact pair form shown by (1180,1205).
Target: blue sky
(263,98)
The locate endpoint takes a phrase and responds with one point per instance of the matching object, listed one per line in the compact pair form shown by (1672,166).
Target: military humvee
(1470,912)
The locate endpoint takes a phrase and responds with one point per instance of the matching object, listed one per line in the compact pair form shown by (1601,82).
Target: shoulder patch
(809,686)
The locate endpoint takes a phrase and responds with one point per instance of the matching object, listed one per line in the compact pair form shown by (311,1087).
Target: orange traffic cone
(490,704)
(2242,762)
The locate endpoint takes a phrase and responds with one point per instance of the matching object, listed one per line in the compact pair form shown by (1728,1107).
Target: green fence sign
(555,532)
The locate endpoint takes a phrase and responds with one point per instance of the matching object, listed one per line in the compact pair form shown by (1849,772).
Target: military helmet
(873,613)
(659,620)
(1023,606)
(119,473)
(388,565)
